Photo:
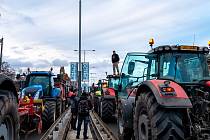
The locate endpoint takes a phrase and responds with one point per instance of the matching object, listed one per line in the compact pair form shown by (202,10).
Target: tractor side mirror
(131,67)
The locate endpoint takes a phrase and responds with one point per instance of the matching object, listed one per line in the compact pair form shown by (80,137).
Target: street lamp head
(93,50)
(75,50)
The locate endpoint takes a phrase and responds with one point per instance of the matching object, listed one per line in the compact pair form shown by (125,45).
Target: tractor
(164,94)
(104,100)
(41,99)
(9,118)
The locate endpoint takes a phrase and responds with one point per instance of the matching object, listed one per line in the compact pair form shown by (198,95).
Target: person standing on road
(115,62)
(74,104)
(84,106)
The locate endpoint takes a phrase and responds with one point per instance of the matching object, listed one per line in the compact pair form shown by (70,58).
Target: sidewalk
(72,134)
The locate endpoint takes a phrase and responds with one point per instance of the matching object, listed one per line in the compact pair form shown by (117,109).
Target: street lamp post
(79,73)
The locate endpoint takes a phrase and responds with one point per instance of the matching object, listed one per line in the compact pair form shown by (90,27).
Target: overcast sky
(44,33)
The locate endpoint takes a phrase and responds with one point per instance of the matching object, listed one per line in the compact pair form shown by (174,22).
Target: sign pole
(79,73)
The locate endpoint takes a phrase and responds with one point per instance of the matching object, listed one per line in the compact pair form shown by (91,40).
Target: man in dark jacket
(84,106)
(74,104)
(115,62)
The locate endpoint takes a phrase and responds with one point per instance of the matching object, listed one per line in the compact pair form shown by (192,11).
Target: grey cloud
(59,62)
(28,48)
(14,47)
(19,63)
(42,63)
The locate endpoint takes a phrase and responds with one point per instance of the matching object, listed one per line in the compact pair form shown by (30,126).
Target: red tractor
(165,94)
(104,99)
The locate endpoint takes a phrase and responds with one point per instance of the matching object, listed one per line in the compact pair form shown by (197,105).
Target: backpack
(83,107)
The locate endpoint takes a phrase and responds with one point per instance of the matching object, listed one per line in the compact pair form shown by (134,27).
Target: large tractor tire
(9,120)
(124,133)
(58,108)
(152,122)
(106,110)
(124,112)
(49,114)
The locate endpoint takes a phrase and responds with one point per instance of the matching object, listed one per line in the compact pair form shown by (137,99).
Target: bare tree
(8,70)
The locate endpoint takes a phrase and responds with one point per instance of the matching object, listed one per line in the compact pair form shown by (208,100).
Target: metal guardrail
(59,129)
(100,129)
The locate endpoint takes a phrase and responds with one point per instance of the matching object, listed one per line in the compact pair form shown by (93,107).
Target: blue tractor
(40,85)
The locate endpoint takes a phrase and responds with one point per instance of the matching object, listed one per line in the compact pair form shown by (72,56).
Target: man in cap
(115,62)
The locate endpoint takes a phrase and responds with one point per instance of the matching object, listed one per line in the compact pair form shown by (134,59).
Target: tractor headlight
(167,48)
(205,49)
(160,49)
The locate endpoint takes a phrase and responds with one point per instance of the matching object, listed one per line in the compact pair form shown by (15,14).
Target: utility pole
(1,53)
(79,73)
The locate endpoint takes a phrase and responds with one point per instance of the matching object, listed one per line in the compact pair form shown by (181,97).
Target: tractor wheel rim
(6,129)
(54,115)
(101,109)
(120,123)
(143,127)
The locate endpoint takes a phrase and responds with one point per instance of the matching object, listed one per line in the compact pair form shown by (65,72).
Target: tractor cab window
(113,82)
(134,70)
(187,67)
(40,80)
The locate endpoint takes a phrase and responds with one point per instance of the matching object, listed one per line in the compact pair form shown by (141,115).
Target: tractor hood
(33,91)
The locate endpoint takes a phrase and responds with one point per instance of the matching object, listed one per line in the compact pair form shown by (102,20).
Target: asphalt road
(113,127)
(32,136)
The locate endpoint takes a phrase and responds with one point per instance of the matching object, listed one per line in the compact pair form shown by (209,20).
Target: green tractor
(104,100)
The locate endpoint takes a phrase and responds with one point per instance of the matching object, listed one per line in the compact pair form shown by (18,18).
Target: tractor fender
(56,92)
(127,111)
(181,99)
(111,91)
(7,84)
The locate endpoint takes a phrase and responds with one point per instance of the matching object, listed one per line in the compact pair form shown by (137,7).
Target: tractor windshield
(39,80)
(184,67)
(113,83)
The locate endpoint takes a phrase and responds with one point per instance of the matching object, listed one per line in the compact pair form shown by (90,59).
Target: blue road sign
(74,71)
(85,71)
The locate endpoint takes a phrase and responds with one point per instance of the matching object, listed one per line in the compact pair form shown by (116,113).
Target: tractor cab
(113,81)
(41,80)
(181,64)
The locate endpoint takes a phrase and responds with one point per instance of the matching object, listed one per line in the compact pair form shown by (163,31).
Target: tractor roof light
(209,43)
(151,42)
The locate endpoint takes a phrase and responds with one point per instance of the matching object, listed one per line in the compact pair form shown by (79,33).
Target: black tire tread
(48,114)
(107,109)
(166,124)
(8,106)
(58,108)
